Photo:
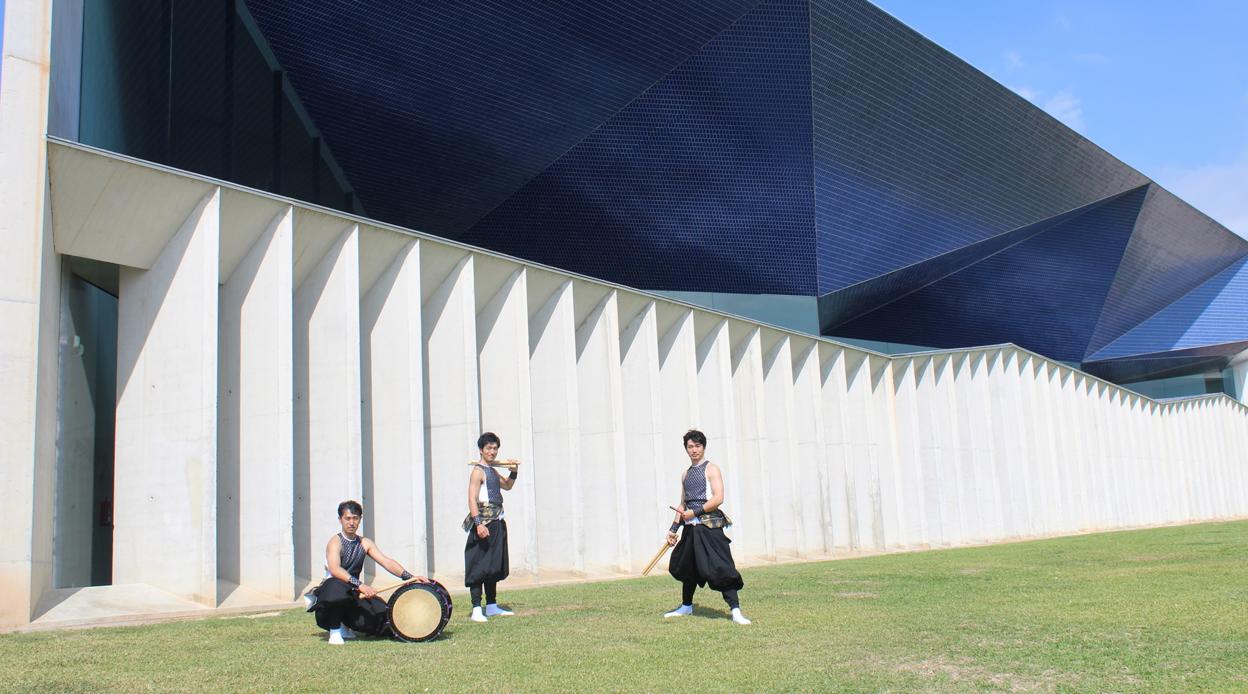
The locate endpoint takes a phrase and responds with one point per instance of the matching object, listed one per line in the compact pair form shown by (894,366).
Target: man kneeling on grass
(343,603)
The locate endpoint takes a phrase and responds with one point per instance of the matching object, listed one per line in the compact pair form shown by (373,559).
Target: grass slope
(1161,610)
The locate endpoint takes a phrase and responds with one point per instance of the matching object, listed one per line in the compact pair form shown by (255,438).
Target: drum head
(418,612)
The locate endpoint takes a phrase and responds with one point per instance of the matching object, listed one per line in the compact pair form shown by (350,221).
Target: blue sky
(1161,85)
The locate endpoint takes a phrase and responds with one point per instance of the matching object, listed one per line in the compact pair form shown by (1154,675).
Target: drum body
(419,611)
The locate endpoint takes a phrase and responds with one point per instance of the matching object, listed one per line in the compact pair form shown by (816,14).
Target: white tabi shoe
(335,637)
(493,610)
(346,632)
(478,615)
(738,617)
(681,611)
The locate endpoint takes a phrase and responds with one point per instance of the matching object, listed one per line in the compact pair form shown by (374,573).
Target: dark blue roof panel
(1214,313)
(809,147)
(917,153)
(706,175)
(844,305)
(1043,294)
(1175,249)
(438,111)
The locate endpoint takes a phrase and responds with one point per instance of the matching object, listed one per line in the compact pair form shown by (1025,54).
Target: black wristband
(355,581)
(512,475)
(696,508)
(674,528)
(405,576)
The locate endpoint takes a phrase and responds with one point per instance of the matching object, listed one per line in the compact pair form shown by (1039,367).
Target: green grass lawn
(1161,610)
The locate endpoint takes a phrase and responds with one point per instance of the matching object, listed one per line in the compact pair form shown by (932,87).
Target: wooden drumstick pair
(400,584)
(509,463)
(659,554)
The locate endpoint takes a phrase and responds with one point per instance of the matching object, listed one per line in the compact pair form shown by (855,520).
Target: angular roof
(811,147)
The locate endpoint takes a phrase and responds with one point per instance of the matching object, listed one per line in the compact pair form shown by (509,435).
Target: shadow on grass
(710,613)
(323,635)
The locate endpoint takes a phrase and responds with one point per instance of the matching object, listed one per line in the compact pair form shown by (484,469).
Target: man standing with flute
(703,556)
(485,554)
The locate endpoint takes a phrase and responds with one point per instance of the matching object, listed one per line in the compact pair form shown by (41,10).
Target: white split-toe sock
(335,637)
(738,617)
(493,610)
(478,615)
(346,632)
(680,611)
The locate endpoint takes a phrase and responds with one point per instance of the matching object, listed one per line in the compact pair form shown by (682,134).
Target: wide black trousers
(338,603)
(486,559)
(703,556)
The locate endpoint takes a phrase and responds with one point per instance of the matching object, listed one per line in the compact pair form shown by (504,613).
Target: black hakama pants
(339,603)
(703,556)
(485,560)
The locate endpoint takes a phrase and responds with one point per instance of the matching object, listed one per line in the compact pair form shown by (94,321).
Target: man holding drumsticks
(703,556)
(343,602)
(485,554)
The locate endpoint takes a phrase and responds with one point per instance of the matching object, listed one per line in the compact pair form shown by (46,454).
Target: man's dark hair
(695,436)
(352,506)
(486,439)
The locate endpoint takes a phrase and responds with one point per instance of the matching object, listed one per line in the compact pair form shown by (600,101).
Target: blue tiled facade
(813,148)
(1053,282)
(702,183)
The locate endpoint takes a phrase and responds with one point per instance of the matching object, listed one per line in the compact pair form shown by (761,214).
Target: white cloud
(1067,108)
(1218,190)
(1062,22)
(1013,59)
(1026,92)
(1064,105)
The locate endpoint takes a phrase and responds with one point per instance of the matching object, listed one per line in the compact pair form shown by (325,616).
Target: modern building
(823,166)
(268,255)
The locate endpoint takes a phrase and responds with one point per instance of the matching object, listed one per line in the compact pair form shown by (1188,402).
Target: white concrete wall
(255,454)
(326,326)
(647,479)
(452,410)
(275,360)
(167,393)
(555,469)
(506,397)
(395,474)
(604,487)
(29,298)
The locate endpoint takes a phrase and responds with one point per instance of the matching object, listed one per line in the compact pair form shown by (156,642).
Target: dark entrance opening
(83,527)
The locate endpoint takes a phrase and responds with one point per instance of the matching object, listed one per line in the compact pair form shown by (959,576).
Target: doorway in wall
(83,518)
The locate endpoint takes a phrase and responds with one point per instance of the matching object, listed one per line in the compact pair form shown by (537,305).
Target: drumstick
(400,584)
(657,556)
(508,463)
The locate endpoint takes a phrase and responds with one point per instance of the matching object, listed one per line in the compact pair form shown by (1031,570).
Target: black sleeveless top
(697,487)
(493,492)
(351,555)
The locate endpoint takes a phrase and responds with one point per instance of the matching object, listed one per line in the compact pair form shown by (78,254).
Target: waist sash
(714,519)
(486,511)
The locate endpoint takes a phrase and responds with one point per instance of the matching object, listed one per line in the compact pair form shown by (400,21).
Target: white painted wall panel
(255,505)
(395,471)
(603,480)
(557,454)
(644,443)
(165,469)
(327,396)
(452,413)
(506,394)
